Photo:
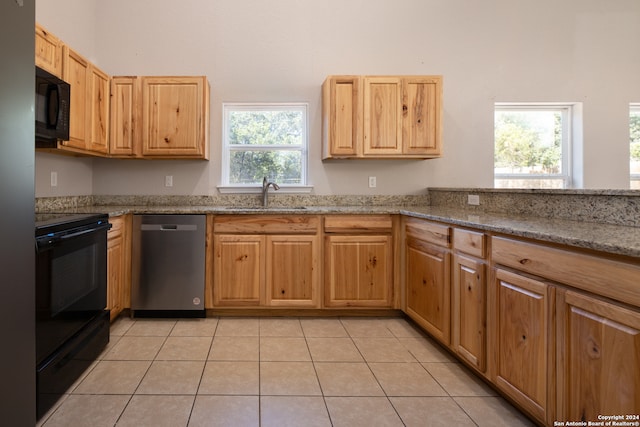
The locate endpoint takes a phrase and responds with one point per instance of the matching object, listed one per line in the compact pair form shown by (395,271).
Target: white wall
(281,50)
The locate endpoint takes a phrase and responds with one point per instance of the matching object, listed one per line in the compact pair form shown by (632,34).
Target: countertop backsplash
(604,221)
(618,207)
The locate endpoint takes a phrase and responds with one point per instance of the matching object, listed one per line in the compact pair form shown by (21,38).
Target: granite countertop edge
(608,238)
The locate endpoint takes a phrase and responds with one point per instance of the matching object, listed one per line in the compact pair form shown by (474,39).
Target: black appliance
(72,325)
(52,106)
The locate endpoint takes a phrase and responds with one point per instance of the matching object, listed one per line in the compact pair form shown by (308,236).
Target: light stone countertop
(608,238)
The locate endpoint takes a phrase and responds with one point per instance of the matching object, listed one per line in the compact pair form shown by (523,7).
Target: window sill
(251,189)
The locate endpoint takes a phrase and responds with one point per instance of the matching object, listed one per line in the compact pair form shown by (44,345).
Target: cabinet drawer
(266,224)
(431,232)
(117,225)
(469,242)
(602,276)
(357,223)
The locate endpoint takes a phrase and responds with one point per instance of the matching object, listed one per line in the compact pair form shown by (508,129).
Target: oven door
(71,283)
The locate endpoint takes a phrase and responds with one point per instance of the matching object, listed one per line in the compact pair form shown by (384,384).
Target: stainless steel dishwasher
(168,262)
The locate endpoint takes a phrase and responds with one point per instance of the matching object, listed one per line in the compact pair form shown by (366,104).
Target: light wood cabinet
(427,277)
(266,269)
(598,358)
(116,266)
(469,310)
(382,117)
(358,261)
(48,51)
(175,117)
(382,111)
(469,303)
(358,271)
(124,137)
(89,105)
(523,346)
(238,270)
(292,271)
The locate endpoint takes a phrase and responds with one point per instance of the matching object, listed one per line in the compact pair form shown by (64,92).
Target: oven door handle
(106,226)
(43,243)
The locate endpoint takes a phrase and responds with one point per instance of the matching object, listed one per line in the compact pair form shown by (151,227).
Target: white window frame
(227,108)
(635,108)
(567,111)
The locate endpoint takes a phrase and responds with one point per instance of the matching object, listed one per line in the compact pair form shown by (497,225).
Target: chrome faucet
(265,191)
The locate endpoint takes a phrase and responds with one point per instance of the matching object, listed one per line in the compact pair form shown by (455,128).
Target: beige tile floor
(277,372)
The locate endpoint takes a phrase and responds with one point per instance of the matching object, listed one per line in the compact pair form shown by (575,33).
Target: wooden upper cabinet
(89,109)
(421,100)
(175,114)
(382,117)
(125,118)
(342,116)
(48,51)
(98,110)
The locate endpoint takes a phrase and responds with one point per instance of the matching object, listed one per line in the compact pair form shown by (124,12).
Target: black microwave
(51,109)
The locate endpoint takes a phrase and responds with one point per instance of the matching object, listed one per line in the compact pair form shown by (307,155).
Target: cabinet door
(98,110)
(238,267)
(175,116)
(292,271)
(48,51)
(599,358)
(382,116)
(428,287)
(124,135)
(469,310)
(358,271)
(115,275)
(76,73)
(523,343)
(421,116)
(342,116)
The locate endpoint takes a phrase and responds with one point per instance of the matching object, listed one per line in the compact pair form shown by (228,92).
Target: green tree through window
(531,146)
(265,140)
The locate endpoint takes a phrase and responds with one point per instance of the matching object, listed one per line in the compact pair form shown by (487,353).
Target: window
(532,146)
(264,140)
(634,149)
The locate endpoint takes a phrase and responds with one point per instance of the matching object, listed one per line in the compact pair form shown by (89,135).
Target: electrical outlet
(372,182)
(168,181)
(54,179)
(473,199)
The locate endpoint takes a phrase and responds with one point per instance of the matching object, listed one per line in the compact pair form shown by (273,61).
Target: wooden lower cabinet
(524,342)
(468,318)
(238,266)
(292,271)
(117,271)
(256,264)
(358,271)
(598,358)
(428,287)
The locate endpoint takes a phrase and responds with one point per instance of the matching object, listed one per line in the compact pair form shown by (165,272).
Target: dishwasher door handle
(168,227)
